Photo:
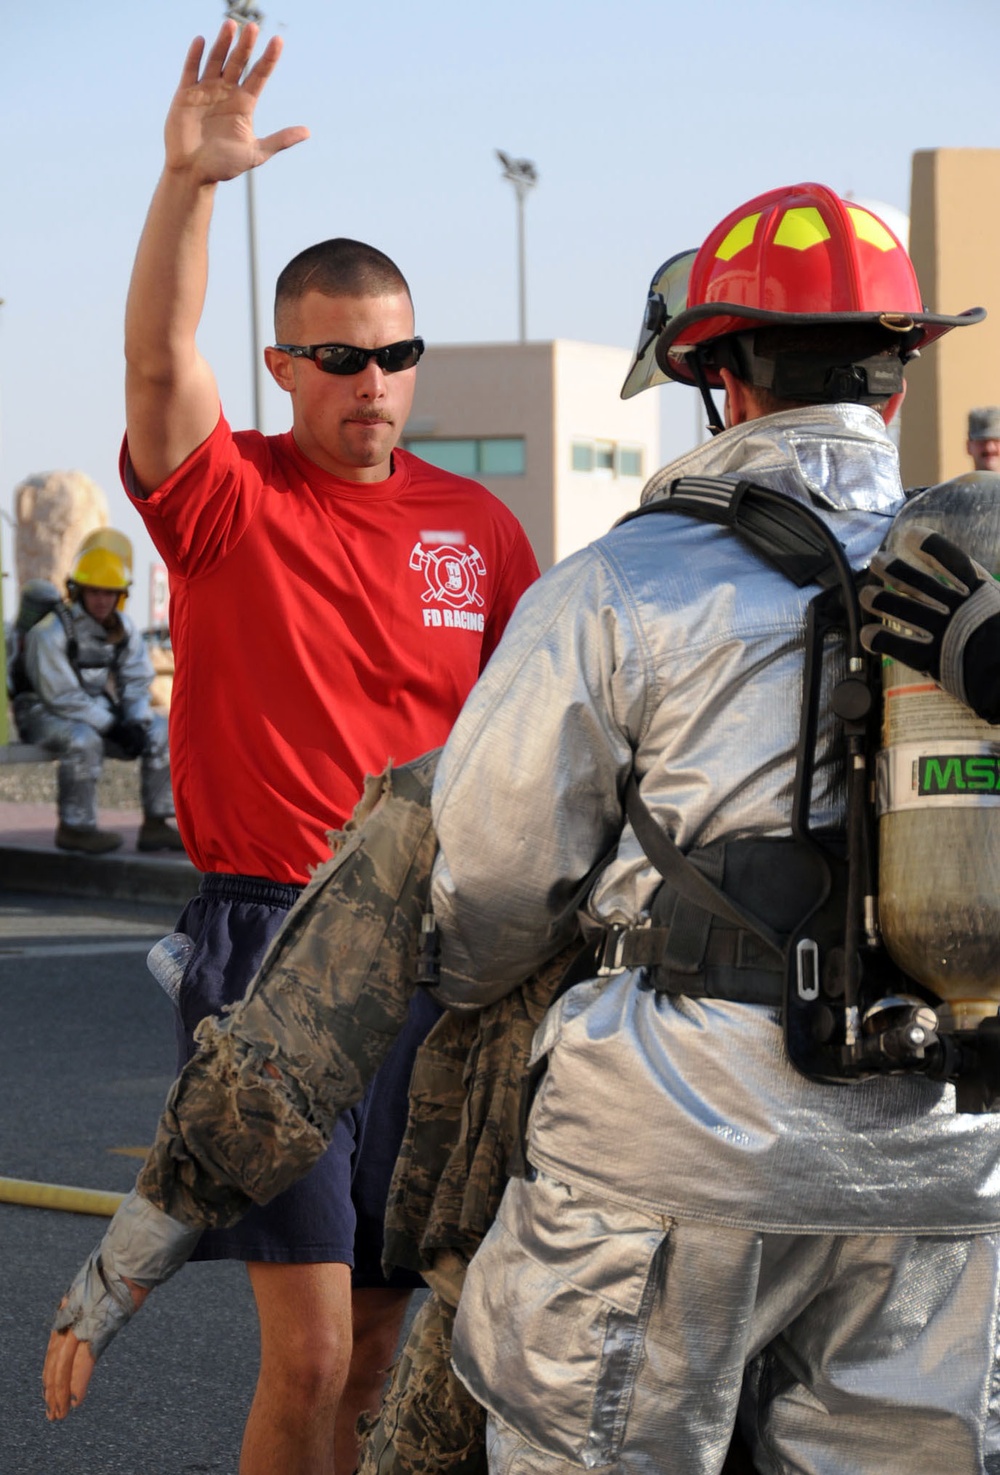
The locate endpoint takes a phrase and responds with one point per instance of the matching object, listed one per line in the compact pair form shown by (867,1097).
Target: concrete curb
(119,877)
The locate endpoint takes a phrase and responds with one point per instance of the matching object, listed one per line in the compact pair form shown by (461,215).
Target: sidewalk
(29,860)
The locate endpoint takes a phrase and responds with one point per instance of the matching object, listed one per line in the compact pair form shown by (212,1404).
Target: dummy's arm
(256,1107)
(939,613)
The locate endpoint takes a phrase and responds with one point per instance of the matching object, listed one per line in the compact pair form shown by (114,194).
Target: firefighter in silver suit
(81,690)
(705,1236)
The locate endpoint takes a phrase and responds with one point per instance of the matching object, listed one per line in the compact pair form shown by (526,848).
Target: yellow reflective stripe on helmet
(801,228)
(738,238)
(868,227)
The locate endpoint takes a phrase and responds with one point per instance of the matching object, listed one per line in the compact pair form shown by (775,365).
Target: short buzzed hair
(339,268)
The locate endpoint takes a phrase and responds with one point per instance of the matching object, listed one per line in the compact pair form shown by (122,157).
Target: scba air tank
(938,795)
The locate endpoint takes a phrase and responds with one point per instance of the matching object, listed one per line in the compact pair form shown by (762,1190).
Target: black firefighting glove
(129,735)
(939,613)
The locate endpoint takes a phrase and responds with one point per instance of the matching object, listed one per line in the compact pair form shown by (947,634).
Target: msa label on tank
(953,773)
(925,775)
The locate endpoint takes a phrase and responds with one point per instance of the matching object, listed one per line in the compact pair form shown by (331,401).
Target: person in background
(80,680)
(983,444)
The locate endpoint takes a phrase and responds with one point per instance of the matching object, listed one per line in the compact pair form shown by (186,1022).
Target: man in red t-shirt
(333,600)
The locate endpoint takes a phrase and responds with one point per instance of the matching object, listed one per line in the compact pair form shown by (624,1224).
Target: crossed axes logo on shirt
(452,576)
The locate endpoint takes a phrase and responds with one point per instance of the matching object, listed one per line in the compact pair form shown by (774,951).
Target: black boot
(87,841)
(157,834)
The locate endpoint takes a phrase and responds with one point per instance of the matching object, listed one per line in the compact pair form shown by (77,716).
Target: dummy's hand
(209,128)
(69,1362)
(939,613)
(142,1248)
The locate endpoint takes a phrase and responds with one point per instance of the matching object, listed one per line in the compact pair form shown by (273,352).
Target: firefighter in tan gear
(80,684)
(705,1234)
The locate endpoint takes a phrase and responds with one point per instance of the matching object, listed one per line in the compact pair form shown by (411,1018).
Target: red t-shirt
(320,627)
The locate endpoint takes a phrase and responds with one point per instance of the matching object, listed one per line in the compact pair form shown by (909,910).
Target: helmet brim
(712,320)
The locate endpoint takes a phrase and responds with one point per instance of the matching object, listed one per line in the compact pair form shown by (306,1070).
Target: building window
(629,461)
(502,456)
(606,455)
(451,455)
(583,455)
(482,456)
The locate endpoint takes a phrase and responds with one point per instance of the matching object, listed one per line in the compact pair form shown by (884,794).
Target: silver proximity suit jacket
(88,697)
(670,647)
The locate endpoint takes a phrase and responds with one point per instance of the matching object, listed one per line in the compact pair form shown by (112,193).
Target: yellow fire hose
(55,1196)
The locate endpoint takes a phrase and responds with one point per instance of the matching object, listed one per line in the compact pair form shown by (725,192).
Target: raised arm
(171,399)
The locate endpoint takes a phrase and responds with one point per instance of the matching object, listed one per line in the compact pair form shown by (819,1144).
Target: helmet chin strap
(715,425)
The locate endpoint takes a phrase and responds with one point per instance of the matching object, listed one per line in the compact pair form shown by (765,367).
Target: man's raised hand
(209,128)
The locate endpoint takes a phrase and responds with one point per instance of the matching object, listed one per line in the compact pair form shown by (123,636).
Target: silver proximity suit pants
(602,1336)
(82,751)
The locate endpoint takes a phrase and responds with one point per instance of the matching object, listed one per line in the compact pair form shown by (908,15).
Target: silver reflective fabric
(671,642)
(600,1337)
(56,685)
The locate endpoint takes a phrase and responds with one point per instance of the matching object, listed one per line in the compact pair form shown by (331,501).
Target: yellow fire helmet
(103,561)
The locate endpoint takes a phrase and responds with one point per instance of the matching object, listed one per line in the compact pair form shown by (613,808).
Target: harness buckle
(609,956)
(807,971)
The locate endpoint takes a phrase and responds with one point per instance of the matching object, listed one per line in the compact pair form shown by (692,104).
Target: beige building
(542,425)
(954,228)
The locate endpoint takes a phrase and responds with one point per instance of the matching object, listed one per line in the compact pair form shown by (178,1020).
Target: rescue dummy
(255,1107)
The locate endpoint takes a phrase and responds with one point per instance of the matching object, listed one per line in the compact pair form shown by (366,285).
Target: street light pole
(242,12)
(523,176)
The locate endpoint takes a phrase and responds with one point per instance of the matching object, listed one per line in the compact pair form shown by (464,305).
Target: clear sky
(648,121)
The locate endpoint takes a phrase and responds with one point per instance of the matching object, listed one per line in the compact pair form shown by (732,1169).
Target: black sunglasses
(344,358)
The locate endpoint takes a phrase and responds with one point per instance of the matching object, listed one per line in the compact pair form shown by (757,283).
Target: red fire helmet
(796,255)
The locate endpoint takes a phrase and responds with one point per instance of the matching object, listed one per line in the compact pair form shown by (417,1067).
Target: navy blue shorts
(337,1211)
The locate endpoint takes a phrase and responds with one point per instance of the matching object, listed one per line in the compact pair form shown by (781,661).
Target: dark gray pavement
(87,1054)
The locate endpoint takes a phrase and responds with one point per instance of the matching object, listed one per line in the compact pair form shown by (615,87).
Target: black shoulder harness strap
(796,541)
(65,619)
(786,532)
(686,879)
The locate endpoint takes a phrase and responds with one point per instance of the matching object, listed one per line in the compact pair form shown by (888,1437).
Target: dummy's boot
(158,834)
(90,841)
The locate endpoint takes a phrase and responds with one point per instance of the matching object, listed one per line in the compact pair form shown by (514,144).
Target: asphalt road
(86,1057)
